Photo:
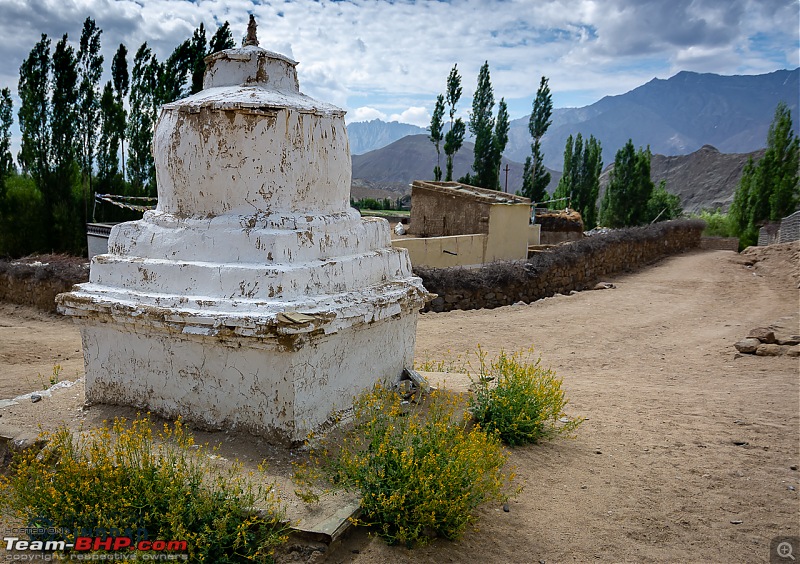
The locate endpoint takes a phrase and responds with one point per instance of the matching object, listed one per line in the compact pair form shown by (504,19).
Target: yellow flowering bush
(123,478)
(519,399)
(421,469)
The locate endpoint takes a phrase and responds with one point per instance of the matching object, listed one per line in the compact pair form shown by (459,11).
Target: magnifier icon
(784,550)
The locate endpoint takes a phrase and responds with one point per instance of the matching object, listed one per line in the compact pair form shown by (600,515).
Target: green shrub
(120,478)
(519,400)
(421,469)
(718,224)
(22,225)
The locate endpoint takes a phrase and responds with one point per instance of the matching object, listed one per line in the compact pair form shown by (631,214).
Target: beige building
(454,224)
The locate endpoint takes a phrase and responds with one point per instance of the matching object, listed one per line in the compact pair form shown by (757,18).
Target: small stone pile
(762,341)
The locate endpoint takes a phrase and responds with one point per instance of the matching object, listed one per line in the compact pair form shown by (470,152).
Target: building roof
(459,190)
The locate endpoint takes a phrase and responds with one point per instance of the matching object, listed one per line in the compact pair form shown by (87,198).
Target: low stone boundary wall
(720,243)
(576,266)
(790,228)
(35,281)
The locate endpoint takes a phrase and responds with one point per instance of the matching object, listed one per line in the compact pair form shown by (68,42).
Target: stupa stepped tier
(253,297)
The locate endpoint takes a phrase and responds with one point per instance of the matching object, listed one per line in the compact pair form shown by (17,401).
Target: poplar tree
(571,175)
(491,134)
(580,181)
(90,68)
(109,142)
(6,121)
(222,39)
(454,138)
(436,133)
(121,82)
(481,125)
(173,74)
(64,141)
(527,180)
(629,188)
(499,140)
(34,113)
(539,122)
(65,150)
(140,166)
(197,52)
(782,160)
(769,189)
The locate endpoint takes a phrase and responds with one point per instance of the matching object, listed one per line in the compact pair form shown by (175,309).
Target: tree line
(631,198)
(79,138)
(769,190)
(490,133)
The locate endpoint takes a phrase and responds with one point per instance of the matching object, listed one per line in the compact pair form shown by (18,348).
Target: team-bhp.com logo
(86,548)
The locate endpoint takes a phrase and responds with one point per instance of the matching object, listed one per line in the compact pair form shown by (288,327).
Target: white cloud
(416,115)
(389,60)
(365,113)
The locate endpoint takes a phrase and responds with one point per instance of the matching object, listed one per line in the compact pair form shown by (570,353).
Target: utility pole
(506,188)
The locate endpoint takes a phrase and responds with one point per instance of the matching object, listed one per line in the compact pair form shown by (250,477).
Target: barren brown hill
(705,179)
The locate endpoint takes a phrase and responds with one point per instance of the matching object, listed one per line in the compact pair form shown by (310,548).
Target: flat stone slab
(328,527)
(747,346)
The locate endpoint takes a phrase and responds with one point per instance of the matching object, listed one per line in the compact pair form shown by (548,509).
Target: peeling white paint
(253,297)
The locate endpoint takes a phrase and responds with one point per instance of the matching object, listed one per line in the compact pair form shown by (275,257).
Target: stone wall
(769,234)
(35,281)
(576,266)
(790,228)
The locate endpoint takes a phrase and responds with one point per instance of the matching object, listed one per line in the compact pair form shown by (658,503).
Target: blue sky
(389,59)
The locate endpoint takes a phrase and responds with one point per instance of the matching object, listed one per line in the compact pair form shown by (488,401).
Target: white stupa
(253,297)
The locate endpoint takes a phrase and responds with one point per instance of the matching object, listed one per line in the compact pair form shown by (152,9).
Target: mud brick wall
(720,243)
(35,281)
(576,266)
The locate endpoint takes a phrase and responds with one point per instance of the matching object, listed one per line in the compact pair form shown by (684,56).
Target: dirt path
(32,346)
(654,474)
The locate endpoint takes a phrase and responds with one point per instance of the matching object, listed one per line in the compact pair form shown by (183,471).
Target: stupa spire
(251,38)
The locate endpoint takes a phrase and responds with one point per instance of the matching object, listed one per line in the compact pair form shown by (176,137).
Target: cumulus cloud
(415,116)
(365,113)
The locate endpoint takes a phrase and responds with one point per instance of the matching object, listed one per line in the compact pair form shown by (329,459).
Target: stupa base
(278,387)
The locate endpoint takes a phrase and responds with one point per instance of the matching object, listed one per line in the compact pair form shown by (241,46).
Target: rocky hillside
(676,116)
(704,179)
(367,136)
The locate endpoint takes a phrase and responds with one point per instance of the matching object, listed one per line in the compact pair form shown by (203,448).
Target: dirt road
(655,473)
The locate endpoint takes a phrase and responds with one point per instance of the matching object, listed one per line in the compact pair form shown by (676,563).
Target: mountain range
(675,116)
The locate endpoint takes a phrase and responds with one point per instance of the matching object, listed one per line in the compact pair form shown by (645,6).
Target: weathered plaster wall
(508,232)
(221,170)
(237,383)
(443,252)
(534,235)
(507,239)
(435,214)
